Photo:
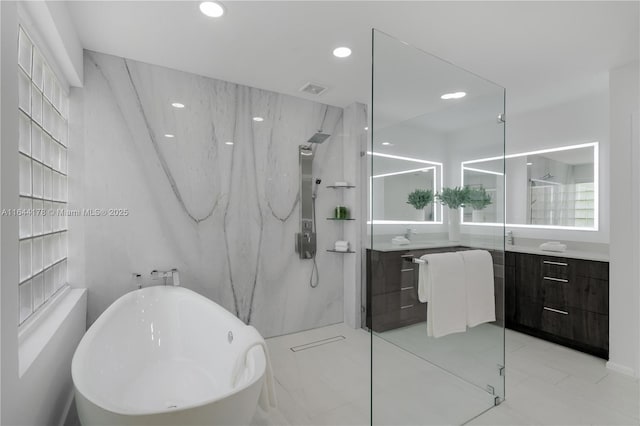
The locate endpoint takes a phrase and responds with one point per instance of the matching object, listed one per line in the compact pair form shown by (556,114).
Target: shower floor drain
(317,343)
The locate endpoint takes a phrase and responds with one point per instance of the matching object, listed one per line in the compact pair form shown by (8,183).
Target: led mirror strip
(596,187)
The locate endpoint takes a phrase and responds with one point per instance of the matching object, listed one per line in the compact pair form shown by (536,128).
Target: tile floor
(474,355)
(546,384)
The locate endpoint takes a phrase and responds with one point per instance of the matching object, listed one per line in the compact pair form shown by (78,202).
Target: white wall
(624,320)
(225,216)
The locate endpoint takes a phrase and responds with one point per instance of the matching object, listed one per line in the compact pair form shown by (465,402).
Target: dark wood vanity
(563,300)
(392,287)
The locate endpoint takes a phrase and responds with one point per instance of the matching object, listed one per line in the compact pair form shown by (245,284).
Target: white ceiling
(542,52)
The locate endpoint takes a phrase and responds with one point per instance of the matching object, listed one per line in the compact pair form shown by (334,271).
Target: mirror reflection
(403,189)
(555,187)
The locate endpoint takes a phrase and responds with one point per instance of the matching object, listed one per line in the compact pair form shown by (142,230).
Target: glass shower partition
(428,116)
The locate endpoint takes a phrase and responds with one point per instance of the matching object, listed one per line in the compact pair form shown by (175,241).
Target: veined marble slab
(224,215)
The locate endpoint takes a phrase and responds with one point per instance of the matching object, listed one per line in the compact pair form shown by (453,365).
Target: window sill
(36,332)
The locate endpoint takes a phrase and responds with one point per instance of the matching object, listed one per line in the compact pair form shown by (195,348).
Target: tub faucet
(165,275)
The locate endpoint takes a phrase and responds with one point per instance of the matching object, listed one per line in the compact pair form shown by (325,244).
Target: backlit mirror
(547,188)
(403,189)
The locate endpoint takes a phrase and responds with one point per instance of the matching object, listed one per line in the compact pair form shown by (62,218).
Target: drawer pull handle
(407,256)
(406,288)
(561,280)
(548,262)
(406,306)
(406,270)
(557,311)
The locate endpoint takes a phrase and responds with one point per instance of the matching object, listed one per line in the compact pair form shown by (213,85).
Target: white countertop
(420,245)
(573,254)
(416,245)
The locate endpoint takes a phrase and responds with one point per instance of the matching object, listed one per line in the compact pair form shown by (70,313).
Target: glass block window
(43,130)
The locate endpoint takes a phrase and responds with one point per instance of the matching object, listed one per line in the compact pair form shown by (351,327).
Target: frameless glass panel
(434,288)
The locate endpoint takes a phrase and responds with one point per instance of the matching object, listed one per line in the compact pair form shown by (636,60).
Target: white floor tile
(546,384)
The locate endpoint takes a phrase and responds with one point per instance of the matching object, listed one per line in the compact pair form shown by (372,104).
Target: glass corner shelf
(338,251)
(335,218)
(341,186)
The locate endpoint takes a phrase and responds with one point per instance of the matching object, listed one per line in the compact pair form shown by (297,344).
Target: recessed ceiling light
(454,95)
(387,143)
(169,135)
(258,119)
(211,9)
(341,52)
(177,105)
(228,143)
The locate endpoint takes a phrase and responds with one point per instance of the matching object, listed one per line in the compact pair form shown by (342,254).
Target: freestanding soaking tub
(168,356)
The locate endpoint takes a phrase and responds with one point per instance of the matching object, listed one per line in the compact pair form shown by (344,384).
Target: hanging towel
(267,399)
(478,266)
(441,283)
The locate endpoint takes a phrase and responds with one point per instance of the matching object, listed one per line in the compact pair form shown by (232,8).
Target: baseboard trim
(622,369)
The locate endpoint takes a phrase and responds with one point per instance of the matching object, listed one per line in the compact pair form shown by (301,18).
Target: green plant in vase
(454,198)
(478,200)
(419,199)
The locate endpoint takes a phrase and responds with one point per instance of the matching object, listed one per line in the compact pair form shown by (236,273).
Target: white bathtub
(166,356)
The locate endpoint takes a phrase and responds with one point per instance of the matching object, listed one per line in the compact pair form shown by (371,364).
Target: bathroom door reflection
(418,379)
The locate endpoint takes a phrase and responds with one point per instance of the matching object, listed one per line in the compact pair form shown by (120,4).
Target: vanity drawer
(395,310)
(555,268)
(408,275)
(587,294)
(580,326)
(592,269)
(557,320)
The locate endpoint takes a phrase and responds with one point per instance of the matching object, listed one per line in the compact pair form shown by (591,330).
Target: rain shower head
(319,137)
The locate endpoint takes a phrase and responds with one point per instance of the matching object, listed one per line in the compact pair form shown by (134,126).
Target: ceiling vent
(313,89)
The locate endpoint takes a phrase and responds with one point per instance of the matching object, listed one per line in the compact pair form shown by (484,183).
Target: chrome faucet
(509,239)
(408,233)
(165,275)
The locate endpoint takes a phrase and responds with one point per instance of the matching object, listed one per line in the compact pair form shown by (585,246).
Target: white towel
(481,306)
(553,246)
(267,397)
(441,282)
